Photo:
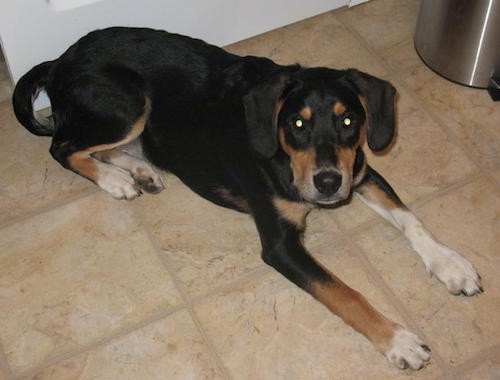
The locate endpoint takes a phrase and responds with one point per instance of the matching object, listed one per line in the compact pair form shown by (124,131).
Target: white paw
(408,350)
(118,183)
(148,180)
(455,272)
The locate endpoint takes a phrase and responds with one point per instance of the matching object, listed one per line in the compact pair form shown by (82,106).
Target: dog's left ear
(262,105)
(379,96)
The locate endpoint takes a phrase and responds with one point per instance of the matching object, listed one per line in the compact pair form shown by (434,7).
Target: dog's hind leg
(95,113)
(111,178)
(75,150)
(448,266)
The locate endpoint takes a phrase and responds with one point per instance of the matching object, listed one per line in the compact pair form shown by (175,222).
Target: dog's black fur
(243,132)
(211,120)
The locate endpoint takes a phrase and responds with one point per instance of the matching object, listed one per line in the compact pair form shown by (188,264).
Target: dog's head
(319,117)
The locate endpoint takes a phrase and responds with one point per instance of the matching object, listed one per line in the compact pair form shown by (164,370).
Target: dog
(274,141)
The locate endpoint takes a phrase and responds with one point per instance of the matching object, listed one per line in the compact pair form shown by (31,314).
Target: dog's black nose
(327,182)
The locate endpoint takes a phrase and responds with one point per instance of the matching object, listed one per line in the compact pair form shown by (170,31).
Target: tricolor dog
(269,140)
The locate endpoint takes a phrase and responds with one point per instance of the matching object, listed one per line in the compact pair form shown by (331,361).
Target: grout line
(419,202)
(476,360)
(208,342)
(4,364)
(102,341)
(186,300)
(256,273)
(48,208)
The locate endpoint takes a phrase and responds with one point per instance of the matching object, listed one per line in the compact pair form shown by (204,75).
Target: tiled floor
(172,287)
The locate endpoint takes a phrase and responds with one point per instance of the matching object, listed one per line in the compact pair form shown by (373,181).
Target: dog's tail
(26,91)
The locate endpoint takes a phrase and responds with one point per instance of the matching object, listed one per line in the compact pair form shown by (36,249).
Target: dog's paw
(408,351)
(118,183)
(455,272)
(148,180)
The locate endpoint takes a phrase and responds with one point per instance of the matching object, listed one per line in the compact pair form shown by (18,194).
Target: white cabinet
(33,31)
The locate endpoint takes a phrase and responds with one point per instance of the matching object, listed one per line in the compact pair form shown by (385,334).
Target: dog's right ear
(262,105)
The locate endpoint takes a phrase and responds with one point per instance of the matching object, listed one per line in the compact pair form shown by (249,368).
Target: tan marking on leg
(375,195)
(356,311)
(293,212)
(339,108)
(84,164)
(303,162)
(306,113)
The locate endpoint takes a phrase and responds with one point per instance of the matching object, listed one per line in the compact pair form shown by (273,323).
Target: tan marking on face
(345,159)
(356,311)
(293,212)
(306,113)
(375,195)
(339,109)
(84,164)
(303,162)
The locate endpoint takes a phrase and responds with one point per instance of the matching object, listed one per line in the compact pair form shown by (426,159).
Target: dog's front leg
(451,268)
(280,224)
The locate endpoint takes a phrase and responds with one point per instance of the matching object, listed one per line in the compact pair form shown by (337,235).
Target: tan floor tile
(496,176)
(207,246)
(388,26)
(354,214)
(319,41)
(468,113)
(31,178)
(321,228)
(423,160)
(270,329)
(168,349)
(6,87)
(466,219)
(489,370)
(74,275)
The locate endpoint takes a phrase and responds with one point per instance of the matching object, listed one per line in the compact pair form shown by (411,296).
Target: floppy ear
(262,105)
(379,103)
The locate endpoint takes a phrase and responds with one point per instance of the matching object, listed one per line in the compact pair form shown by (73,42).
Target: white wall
(32,32)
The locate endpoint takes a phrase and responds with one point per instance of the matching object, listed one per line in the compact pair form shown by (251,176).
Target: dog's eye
(297,123)
(347,121)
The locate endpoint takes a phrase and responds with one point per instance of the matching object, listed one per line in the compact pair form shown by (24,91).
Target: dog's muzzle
(331,187)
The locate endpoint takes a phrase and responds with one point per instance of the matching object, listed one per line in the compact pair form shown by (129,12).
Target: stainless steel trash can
(460,39)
